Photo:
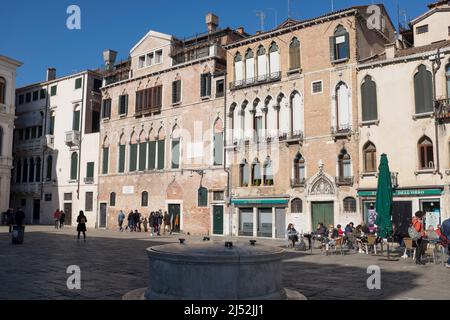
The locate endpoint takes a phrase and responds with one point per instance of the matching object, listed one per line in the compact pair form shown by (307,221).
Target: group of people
(355,238)
(59,217)
(13,218)
(156,222)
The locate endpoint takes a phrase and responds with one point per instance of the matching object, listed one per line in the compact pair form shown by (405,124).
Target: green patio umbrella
(383,205)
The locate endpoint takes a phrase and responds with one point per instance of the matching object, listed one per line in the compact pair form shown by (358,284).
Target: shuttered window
(51,129)
(121,158)
(149,100)
(74,166)
(370,157)
(340,45)
(112,199)
(175,153)
(38,170)
(105,162)
(176,91)
(89,201)
(349,204)
(106,109)
(142,156)
(133,157)
(76,120)
(202,197)
(369,99)
(160,149)
(78,83)
(423,90)
(53,90)
(90,170)
(152,155)
(123,104)
(218,148)
(205,85)
(294,54)
(144,199)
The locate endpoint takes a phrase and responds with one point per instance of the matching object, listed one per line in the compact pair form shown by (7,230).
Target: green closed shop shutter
(105,160)
(161,154)
(122,158)
(133,157)
(142,155)
(152,155)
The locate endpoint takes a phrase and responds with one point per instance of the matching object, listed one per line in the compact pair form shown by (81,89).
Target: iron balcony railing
(341,130)
(298,182)
(267,78)
(443,110)
(344,181)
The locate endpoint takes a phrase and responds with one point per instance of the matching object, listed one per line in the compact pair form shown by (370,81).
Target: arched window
(2,90)
(249,66)
(426,153)
(122,146)
(349,204)
(218,143)
(74,166)
(268,172)
(49,168)
(1,141)
(19,171)
(25,171)
(370,157)
(32,172)
(243,174)
(423,90)
(294,54)
(202,197)
(283,114)
(238,75)
(274,61)
(262,63)
(246,120)
(144,199)
(296,205)
(133,153)
(344,166)
(343,112)
(256,173)
(258,120)
(112,199)
(299,170)
(176,134)
(38,169)
(369,99)
(340,45)
(297,115)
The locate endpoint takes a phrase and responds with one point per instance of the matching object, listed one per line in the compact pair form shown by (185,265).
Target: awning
(260,201)
(404,193)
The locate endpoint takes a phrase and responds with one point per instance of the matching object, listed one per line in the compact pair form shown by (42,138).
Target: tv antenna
(261,16)
(276,15)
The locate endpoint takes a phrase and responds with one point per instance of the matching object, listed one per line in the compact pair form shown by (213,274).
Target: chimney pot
(51,74)
(240,30)
(212,22)
(390,50)
(109,57)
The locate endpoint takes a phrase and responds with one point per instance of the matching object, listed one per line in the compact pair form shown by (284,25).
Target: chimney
(51,74)
(109,57)
(390,50)
(240,30)
(212,21)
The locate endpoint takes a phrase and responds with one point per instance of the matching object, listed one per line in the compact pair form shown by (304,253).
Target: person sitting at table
(432,234)
(339,230)
(292,234)
(321,231)
(360,237)
(438,230)
(349,228)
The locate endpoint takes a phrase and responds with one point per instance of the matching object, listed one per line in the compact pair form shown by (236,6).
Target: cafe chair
(408,248)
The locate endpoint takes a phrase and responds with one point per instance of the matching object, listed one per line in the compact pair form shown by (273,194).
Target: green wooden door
(322,212)
(218,220)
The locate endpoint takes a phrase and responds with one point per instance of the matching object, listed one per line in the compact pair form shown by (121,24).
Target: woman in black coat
(81,220)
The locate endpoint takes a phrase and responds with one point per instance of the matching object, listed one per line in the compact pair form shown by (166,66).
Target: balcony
(73,138)
(268,78)
(48,141)
(344,181)
(298,183)
(27,145)
(26,188)
(89,180)
(443,111)
(341,132)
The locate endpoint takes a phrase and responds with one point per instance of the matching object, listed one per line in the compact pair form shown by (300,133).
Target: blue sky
(35,32)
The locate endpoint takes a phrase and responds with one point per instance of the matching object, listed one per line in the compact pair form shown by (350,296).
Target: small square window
(158,56)
(21,99)
(53,90)
(28,97)
(422,29)
(78,83)
(43,94)
(218,195)
(141,61)
(35,95)
(317,87)
(67,196)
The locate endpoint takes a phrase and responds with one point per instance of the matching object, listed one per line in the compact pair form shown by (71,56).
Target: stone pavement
(113,263)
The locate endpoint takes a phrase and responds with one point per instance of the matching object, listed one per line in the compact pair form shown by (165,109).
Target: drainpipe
(227,170)
(436,64)
(81,131)
(44,131)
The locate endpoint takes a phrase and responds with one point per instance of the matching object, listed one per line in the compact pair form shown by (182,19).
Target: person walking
(121,218)
(145,224)
(445,238)
(167,225)
(56,215)
(292,235)
(137,221)
(417,224)
(160,220)
(19,217)
(62,219)
(130,220)
(151,222)
(10,218)
(81,220)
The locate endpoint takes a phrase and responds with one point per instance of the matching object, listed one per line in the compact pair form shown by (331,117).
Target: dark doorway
(401,214)
(175,217)
(68,213)
(218,220)
(36,211)
(102,218)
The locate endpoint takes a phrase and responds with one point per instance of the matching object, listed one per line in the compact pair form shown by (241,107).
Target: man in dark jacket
(19,217)
(10,218)
(445,229)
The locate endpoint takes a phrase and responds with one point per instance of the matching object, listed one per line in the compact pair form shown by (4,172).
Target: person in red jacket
(56,216)
(417,223)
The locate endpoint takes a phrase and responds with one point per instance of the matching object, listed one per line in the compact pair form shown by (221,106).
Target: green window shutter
(294,56)
(202,85)
(90,170)
(52,125)
(78,83)
(369,100)
(133,157)
(126,104)
(122,158)
(76,121)
(246,174)
(347,46)
(142,155)
(218,148)
(202,197)
(175,91)
(332,48)
(161,154)
(53,90)
(152,155)
(175,154)
(74,166)
(105,160)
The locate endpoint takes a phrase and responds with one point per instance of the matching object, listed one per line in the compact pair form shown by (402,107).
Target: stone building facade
(8,69)
(292,139)
(162,131)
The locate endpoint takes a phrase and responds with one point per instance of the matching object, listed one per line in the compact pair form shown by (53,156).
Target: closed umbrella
(384,200)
